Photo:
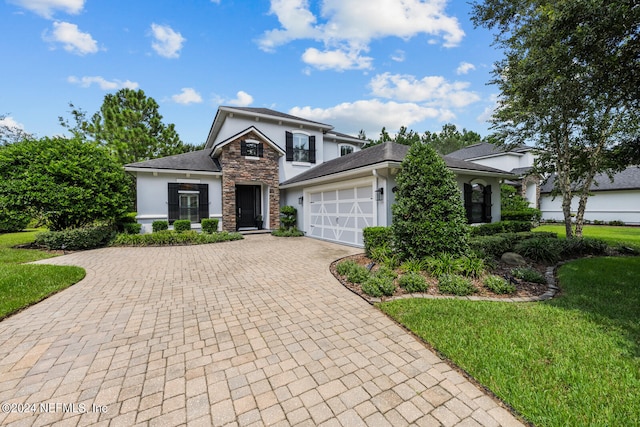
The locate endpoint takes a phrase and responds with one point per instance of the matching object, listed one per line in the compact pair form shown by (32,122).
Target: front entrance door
(247,205)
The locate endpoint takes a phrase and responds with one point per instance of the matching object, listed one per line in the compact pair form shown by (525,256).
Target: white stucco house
(256,160)
(609,200)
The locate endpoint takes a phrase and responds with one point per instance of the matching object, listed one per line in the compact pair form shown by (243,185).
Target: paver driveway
(248,332)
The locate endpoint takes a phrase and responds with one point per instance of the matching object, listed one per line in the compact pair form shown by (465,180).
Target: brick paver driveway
(253,332)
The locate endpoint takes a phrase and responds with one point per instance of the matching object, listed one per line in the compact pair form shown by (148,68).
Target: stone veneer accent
(238,170)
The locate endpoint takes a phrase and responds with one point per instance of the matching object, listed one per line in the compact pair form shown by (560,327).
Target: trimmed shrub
(377,286)
(540,249)
(209,225)
(288,217)
(182,225)
(376,237)
(171,238)
(498,285)
(616,222)
(528,275)
(159,226)
(501,227)
(428,213)
(455,285)
(76,238)
(490,246)
(413,282)
(526,214)
(131,228)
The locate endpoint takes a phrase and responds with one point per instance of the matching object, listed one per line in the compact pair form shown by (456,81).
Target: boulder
(512,258)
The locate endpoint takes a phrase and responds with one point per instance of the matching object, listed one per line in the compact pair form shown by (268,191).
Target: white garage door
(341,214)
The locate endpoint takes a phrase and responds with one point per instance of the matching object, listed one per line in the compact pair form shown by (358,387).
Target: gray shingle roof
(628,179)
(269,112)
(381,153)
(197,161)
(484,149)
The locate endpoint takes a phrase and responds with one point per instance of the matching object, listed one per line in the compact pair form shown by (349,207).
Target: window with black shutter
(188,201)
(251,149)
(300,147)
(477,203)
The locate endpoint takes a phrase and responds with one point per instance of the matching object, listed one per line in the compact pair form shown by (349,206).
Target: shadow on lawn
(607,290)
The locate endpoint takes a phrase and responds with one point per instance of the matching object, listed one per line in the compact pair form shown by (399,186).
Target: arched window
(477,202)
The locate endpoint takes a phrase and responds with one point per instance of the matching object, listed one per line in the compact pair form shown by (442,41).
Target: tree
(428,215)
(129,126)
(570,84)
(444,142)
(66,182)
(9,133)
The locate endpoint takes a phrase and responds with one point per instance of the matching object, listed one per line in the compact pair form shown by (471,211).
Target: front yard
(572,360)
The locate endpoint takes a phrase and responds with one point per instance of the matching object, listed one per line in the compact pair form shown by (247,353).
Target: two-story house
(256,160)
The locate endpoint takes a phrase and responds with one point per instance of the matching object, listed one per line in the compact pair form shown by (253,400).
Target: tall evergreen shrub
(428,216)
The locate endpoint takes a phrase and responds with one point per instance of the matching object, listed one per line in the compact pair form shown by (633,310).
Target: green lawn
(22,285)
(573,360)
(627,236)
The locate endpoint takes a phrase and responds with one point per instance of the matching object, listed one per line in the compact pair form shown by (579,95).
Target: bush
(131,228)
(501,227)
(616,222)
(181,225)
(288,217)
(385,256)
(428,213)
(376,237)
(455,285)
(76,238)
(12,221)
(385,271)
(344,267)
(413,266)
(209,225)
(471,266)
(491,246)
(159,226)
(540,249)
(377,286)
(528,275)
(442,264)
(498,285)
(583,246)
(355,273)
(291,232)
(171,238)
(413,282)
(527,215)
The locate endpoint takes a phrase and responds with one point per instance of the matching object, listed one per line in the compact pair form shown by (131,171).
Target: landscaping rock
(512,258)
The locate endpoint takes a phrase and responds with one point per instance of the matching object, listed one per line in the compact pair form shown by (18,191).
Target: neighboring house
(609,201)
(256,160)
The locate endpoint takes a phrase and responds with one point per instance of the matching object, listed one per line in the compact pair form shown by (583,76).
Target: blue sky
(354,64)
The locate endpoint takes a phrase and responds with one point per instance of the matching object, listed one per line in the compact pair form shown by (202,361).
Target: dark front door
(247,205)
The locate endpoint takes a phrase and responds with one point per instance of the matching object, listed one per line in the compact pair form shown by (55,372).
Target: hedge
(76,239)
(376,237)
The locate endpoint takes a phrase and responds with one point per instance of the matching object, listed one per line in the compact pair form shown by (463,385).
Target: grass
(627,236)
(22,285)
(573,360)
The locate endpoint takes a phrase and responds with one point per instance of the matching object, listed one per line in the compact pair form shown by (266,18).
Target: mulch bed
(523,289)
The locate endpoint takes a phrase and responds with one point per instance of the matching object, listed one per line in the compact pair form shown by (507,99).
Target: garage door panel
(340,214)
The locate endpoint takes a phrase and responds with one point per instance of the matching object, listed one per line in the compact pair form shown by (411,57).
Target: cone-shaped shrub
(428,215)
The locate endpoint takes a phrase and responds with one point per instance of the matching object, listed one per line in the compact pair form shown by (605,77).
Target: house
(256,160)
(609,200)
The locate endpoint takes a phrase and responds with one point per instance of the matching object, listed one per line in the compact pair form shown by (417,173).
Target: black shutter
(260,150)
(173,202)
(468,205)
(203,201)
(486,207)
(243,148)
(312,149)
(289,146)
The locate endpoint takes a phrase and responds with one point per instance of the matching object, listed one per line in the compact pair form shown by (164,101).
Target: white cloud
(336,59)
(187,96)
(433,90)
(46,8)
(102,83)
(350,25)
(73,40)
(243,99)
(370,115)
(487,113)
(10,123)
(464,68)
(398,56)
(168,43)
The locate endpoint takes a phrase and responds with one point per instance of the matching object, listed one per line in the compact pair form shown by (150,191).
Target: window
(188,201)
(346,149)
(477,202)
(300,147)
(251,149)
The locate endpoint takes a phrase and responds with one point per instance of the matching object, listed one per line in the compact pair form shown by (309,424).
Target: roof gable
(194,161)
(247,131)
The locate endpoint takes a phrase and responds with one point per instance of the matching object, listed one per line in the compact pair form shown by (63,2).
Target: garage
(340,213)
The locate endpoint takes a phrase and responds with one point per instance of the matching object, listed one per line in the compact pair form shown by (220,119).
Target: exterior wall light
(300,200)
(379,194)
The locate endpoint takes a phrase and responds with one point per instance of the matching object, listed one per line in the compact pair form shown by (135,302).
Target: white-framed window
(300,147)
(189,205)
(346,149)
